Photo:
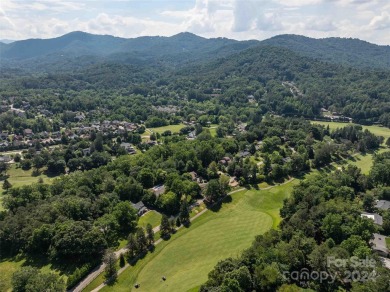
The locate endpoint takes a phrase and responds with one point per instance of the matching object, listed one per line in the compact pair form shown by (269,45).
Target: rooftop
(376,217)
(383,204)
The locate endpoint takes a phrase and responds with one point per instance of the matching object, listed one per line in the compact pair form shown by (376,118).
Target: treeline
(321,220)
(222,85)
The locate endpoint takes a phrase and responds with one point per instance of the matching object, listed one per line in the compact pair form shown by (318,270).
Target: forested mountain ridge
(357,93)
(259,71)
(49,54)
(78,49)
(346,51)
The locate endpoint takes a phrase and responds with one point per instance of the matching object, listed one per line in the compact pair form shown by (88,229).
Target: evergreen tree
(110,271)
(141,240)
(131,246)
(122,261)
(149,234)
(6,185)
(184,213)
(165,227)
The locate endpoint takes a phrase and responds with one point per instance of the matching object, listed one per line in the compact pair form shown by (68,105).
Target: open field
(10,265)
(172,128)
(190,254)
(377,130)
(19,177)
(7,268)
(388,242)
(152,217)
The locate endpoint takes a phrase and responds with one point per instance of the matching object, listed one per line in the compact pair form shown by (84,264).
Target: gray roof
(376,217)
(379,243)
(138,206)
(383,204)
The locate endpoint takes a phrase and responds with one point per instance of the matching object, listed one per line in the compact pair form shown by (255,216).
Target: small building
(378,244)
(86,151)
(28,133)
(158,190)
(373,216)
(382,204)
(4,135)
(5,158)
(194,175)
(243,154)
(128,147)
(140,207)
(191,135)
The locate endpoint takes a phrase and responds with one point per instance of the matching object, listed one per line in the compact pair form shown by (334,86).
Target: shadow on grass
(63,266)
(215,207)
(112,281)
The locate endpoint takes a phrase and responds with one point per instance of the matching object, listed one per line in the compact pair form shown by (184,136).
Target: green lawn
(388,242)
(377,130)
(152,217)
(10,265)
(190,254)
(7,268)
(19,177)
(172,128)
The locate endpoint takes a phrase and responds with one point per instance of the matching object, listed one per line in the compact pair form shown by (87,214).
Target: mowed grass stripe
(192,253)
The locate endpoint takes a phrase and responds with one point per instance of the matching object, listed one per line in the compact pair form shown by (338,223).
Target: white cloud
(381,21)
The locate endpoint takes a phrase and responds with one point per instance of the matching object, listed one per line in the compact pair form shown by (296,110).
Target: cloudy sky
(239,19)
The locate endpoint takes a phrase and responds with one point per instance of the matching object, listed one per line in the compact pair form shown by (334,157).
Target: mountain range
(79,49)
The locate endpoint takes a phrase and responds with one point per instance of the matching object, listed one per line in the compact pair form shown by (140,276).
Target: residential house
(128,147)
(28,133)
(375,217)
(140,207)
(158,190)
(383,204)
(378,244)
(4,135)
(243,154)
(5,158)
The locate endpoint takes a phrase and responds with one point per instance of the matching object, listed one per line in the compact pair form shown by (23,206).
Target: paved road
(100,269)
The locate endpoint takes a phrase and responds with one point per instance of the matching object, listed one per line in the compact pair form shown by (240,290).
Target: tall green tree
(6,185)
(165,229)
(184,214)
(110,270)
(149,234)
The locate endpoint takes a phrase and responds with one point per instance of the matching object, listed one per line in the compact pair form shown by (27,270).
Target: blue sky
(239,19)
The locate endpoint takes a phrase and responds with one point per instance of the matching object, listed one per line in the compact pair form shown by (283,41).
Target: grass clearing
(191,253)
(7,268)
(19,177)
(152,217)
(172,128)
(377,130)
